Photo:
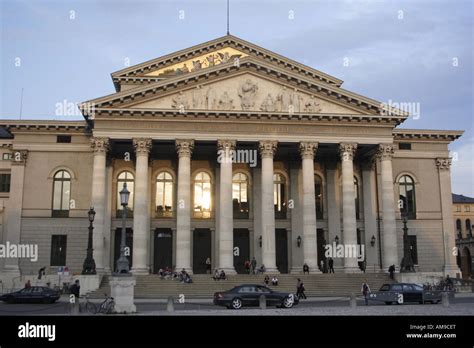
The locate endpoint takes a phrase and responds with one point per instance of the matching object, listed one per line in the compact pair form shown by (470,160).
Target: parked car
(405,292)
(249,295)
(35,294)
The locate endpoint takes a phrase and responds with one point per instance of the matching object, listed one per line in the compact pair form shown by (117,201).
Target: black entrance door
(281,248)
(163,253)
(128,243)
(242,253)
(320,242)
(201,249)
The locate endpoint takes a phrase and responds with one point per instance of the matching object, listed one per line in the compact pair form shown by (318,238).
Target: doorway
(281,249)
(242,253)
(163,252)
(201,249)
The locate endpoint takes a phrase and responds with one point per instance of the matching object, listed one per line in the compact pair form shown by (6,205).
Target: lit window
(240,196)
(318,191)
(279,196)
(125,177)
(407,196)
(202,195)
(164,195)
(61,193)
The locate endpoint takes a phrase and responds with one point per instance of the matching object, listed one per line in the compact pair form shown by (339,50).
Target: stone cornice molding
(427,134)
(267,148)
(184,147)
(308,149)
(347,151)
(142,146)
(443,163)
(100,145)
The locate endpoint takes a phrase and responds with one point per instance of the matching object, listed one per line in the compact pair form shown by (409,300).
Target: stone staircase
(203,286)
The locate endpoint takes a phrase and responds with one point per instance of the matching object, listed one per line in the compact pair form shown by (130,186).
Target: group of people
(168,273)
(219,275)
(274,280)
(251,266)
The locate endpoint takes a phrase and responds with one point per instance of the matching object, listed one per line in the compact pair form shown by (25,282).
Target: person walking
(300,289)
(365,289)
(28,284)
(331,265)
(391,270)
(254,265)
(208,265)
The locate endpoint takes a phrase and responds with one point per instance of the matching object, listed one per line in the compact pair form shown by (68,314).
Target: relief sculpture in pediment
(198,98)
(284,100)
(295,101)
(225,102)
(268,104)
(312,105)
(180,102)
(247,94)
(211,99)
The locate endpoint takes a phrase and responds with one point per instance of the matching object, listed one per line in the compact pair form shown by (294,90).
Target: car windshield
(418,287)
(263,289)
(385,287)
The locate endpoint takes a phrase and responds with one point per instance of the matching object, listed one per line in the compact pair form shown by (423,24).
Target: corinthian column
(141,213)
(349,225)
(267,151)
(226,228)
(390,250)
(450,266)
(310,254)
(183,215)
(99,182)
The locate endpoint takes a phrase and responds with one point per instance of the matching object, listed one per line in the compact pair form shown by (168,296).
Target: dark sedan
(249,295)
(35,294)
(405,292)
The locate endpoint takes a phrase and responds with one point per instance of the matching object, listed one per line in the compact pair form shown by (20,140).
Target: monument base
(122,290)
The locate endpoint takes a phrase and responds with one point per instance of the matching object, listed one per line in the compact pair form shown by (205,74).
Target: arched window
(459,228)
(407,196)
(125,177)
(279,197)
(61,193)
(164,195)
(202,195)
(318,191)
(356,197)
(240,201)
(468,227)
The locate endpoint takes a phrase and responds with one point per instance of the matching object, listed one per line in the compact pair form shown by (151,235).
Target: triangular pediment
(207,55)
(246,92)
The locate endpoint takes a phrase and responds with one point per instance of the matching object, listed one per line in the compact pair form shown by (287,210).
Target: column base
(296,270)
(315,270)
(352,270)
(271,270)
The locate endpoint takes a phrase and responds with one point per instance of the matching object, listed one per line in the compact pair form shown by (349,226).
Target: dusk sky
(417,52)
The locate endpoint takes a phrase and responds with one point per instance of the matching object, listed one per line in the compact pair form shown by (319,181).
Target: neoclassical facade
(230,152)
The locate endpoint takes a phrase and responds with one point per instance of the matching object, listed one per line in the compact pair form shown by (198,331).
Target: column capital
(142,146)
(267,148)
(443,163)
(225,144)
(19,157)
(100,145)
(385,151)
(347,151)
(184,147)
(308,149)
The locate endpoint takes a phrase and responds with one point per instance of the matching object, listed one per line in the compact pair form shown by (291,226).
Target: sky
(418,52)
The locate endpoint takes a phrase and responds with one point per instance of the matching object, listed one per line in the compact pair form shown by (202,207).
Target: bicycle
(108,306)
(87,307)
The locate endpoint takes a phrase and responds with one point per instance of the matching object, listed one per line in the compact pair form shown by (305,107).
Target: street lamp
(336,240)
(298,241)
(89,263)
(260,241)
(372,241)
(123,266)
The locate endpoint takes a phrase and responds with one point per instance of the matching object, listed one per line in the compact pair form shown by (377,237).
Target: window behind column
(279,195)
(240,202)
(468,227)
(58,250)
(318,191)
(164,195)
(459,228)
(61,193)
(202,195)
(407,196)
(125,177)
(356,197)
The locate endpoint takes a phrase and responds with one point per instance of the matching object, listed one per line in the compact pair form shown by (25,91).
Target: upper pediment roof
(209,54)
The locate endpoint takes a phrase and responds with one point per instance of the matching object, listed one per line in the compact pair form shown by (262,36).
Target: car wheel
(288,302)
(236,303)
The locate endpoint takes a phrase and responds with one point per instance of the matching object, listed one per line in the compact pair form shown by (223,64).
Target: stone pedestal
(88,283)
(122,290)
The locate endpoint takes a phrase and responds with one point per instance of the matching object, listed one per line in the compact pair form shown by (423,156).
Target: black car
(405,292)
(35,294)
(249,295)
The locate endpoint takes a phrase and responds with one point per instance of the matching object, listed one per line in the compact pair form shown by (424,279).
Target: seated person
(216,275)
(261,269)
(222,275)
(305,268)
(266,280)
(274,280)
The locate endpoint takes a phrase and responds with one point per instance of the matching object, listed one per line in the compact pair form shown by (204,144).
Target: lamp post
(407,261)
(123,266)
(298,241)
(89,263)
(372,241)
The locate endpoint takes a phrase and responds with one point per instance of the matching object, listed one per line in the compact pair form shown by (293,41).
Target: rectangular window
(413,249)
(5,182)
(404,146)
(458,208)
(58,250)
(6,156)
(467,209)
(63,139)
